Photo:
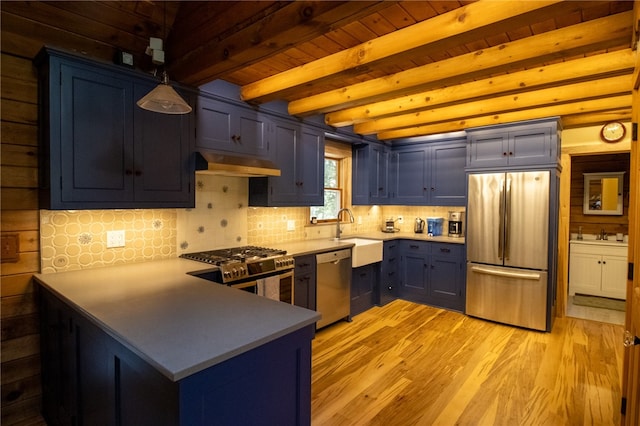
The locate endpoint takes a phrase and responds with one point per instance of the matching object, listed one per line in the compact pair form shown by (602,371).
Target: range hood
(233,165)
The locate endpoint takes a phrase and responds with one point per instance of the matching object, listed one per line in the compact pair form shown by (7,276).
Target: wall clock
(613,131)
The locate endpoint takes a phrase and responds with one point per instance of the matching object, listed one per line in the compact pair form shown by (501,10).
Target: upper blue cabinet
(430,173)
(99,149)
(299,152)
(531,143)
(222,126)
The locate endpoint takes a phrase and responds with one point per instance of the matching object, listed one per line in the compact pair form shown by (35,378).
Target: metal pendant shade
(164,99)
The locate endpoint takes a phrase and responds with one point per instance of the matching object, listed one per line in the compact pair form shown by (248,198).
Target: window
(337,178)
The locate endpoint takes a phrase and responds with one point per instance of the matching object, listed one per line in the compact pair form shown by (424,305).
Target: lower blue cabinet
(389,272)
(363,288)
(433,273)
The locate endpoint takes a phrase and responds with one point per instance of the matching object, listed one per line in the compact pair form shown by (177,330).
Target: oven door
(276,286)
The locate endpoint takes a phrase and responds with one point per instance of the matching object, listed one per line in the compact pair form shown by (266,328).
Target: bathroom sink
(365,251)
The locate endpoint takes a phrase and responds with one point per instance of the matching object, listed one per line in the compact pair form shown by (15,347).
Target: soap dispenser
(579,232)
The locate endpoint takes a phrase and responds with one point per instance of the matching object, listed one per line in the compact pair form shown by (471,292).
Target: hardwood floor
(410,364)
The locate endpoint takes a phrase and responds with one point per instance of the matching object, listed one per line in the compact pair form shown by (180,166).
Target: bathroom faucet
(338,221)
(603,235)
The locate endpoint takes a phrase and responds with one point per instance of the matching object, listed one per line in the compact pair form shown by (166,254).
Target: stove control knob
(227,274)
(234,271)
(243,271)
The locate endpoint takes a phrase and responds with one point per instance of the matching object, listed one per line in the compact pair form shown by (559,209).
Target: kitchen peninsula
(149,344)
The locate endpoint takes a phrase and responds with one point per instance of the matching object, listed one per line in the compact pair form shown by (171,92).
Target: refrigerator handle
(508,274)
(507,221)
(501,222)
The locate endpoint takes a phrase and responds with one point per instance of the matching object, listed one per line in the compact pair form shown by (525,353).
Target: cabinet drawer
(304,265)
(447,250)
(416,247)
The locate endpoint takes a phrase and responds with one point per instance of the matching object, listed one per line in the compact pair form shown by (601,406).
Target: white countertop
(611,242)
(178,323)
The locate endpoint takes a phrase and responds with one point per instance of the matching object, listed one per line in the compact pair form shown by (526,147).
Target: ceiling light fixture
(163,99)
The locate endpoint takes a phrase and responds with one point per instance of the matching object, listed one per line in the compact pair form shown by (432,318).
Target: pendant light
(163,99)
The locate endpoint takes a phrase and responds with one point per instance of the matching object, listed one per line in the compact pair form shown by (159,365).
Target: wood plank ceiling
(394,69)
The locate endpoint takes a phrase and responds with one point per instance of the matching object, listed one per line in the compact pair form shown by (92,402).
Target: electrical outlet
(291,225)
(400,219)
(115,239)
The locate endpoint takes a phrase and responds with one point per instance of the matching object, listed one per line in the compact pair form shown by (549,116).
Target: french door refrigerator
(507,247)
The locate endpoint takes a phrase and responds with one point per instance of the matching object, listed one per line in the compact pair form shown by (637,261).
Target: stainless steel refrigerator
(507,247)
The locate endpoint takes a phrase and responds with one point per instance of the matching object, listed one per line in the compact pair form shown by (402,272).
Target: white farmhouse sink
(365,251)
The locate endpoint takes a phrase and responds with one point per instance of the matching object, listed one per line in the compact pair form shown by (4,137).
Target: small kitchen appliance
(248,268)
(389,226)
(456,224)
(434,226)
(418,228)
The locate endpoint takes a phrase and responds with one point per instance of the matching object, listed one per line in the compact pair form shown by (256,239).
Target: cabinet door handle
(604,262)
(510,153)
(504,154)
(128,172)
(414,246)
(138,173)
(363,274)
(445,250)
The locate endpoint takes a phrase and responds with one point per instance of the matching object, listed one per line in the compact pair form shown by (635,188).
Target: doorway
(582,303)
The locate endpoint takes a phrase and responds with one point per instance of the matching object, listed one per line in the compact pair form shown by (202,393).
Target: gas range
(243,263)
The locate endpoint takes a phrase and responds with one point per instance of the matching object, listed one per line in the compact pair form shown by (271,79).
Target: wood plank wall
(21,390)
(592,224)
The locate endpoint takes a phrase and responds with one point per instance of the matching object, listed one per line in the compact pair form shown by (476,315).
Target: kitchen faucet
(338,221)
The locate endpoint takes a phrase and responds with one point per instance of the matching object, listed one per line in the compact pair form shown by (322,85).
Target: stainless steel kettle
(418,228)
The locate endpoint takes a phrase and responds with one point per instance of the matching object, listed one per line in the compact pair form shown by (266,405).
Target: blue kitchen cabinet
(525,144)
(299,152)
(414,266)
(370,174)
(222,126)
(364,281)
(448,185)
(304,276)
(90,378)
(99,149)
(360,170)
(430,174)
(433,273)
(410,176)
(389,275)
(447,272)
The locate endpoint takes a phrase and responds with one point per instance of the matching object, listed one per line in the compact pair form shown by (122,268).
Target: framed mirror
(603,193)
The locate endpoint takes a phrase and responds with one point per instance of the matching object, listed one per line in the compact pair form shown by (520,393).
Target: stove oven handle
(247,284)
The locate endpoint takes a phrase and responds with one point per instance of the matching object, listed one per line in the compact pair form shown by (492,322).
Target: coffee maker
(456,224)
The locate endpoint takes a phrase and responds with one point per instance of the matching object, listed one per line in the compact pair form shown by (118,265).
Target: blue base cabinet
(433,273)
(89,378)
(364,281)
(389,272)
(304,277)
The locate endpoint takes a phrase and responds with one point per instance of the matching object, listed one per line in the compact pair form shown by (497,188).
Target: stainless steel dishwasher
(333,297)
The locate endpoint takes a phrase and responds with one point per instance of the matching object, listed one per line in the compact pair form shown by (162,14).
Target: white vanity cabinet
(598,268)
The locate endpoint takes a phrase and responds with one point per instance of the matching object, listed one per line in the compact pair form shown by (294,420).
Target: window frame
(340,152)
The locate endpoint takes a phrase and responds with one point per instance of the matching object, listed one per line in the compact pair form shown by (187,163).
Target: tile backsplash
(221,218)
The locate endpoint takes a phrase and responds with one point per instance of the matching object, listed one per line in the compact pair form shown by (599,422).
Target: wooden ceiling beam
(577,39)
(563,72)
(581,120)
(581,107)
(499,104)
(209,58)
(463,24)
